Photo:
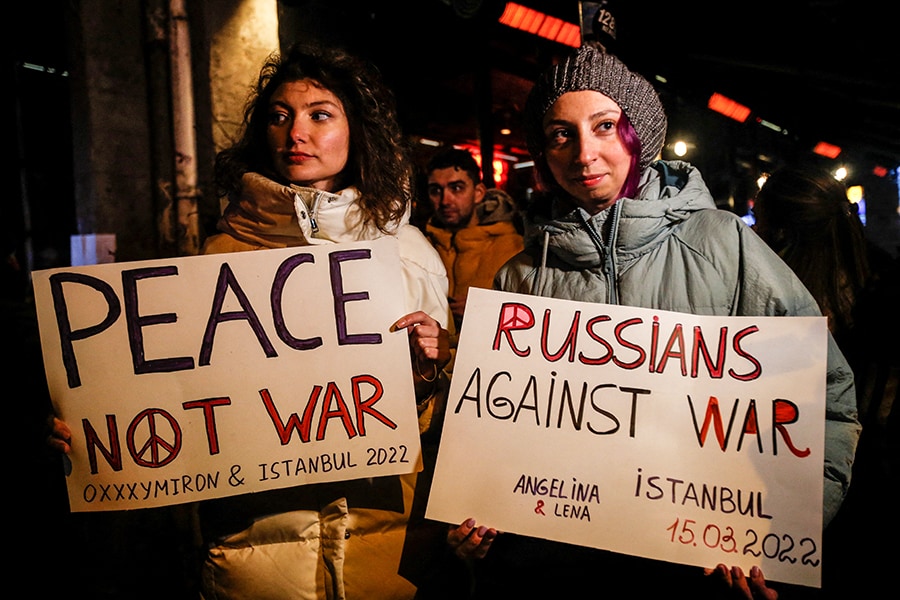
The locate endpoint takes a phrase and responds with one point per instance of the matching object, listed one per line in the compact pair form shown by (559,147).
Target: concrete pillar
(242,33)
(112,175)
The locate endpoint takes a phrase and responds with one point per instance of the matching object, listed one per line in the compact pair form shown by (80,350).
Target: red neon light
(827,150)
(531,20)
(728,107)
(570,35)
(527,19)
(550,27)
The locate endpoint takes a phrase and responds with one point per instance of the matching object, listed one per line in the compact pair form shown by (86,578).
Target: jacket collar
(669,193)
(275,215)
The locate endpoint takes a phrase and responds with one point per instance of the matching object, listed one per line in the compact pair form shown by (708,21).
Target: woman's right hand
(60,438)
(468,541)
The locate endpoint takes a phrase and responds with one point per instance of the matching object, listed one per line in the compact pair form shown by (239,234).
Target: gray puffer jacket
(670,249)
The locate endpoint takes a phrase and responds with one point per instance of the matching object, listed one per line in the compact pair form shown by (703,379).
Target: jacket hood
(497,206)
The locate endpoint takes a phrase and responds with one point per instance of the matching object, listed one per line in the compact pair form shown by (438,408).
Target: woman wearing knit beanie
(616,225)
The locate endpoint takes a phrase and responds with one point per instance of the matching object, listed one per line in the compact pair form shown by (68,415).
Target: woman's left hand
(740,586)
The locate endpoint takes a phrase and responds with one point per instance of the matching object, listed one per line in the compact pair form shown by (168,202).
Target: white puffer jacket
(332,540)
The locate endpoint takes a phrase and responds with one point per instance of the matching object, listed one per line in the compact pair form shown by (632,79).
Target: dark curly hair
(378,164)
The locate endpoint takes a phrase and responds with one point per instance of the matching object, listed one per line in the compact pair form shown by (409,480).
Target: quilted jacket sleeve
(767,276)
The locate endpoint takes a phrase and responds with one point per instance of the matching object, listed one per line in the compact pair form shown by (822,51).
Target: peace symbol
(516,316)
(161,451)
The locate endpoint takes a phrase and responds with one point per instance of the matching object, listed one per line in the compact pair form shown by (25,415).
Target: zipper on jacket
(305,212)
(313,211)
(607,250)
(539,280)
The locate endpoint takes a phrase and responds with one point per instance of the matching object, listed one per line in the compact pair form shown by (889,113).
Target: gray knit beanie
(589,68)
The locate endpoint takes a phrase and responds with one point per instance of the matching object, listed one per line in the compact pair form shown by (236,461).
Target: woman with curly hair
(353,102)
(320,160)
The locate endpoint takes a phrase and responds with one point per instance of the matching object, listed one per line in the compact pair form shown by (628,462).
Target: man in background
(474,229)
